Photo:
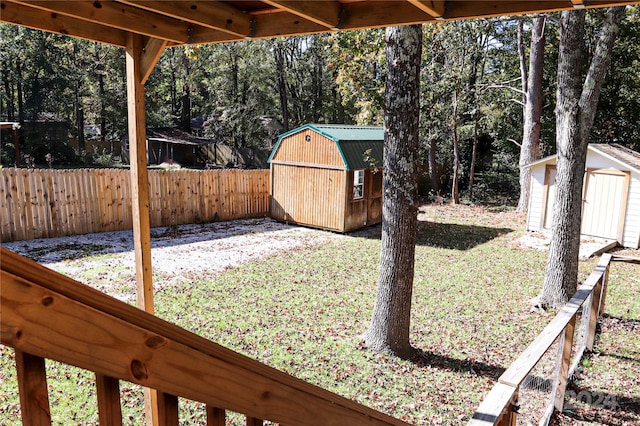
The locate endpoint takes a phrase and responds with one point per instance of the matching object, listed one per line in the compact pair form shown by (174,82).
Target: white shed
(611,194)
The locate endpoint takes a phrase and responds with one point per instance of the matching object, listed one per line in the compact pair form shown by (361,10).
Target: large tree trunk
(575,111)
(389,329)
(532,88)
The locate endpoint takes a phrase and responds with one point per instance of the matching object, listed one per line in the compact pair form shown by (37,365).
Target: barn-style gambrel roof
(360,147)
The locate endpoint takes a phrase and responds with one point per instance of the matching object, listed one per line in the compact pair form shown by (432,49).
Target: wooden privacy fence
(501,406)
(48,315)
(43,203)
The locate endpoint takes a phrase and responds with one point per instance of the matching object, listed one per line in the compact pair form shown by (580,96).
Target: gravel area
(176,252)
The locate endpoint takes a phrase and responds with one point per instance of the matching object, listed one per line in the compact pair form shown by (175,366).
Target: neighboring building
(611,194)
(328,176)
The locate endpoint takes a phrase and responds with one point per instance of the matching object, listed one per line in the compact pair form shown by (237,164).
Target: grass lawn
(302,311)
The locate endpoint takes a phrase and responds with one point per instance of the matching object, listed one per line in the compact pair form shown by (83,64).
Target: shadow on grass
(444,235)
(591,405)
(423,358)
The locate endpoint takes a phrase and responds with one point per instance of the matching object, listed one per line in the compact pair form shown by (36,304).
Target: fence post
(562,364)
(593,314)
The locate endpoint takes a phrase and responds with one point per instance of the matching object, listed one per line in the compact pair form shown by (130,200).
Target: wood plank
(252,421)
(519,370)
(167,409)
(140,193)
(27,16)
(494,406)
(32,386)
(563,362)
(326,13)
(594,313)
(121,17)
(151,54)
(108,394)
(214,15)
(216,416)
(81,326)
(435,8)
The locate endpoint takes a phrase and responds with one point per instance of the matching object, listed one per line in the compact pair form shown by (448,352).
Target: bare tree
(389,328)
(575,111)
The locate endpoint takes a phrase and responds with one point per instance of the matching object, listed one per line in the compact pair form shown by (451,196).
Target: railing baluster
(562,365)
(32,386)
(251,421)
(109,409)
(216,416)
(167,409)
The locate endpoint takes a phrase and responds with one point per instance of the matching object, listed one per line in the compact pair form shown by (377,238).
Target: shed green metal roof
(361,147)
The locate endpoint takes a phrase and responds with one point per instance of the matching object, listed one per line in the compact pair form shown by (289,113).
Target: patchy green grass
(303,311)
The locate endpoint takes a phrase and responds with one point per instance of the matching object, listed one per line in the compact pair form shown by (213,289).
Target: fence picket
(45,203)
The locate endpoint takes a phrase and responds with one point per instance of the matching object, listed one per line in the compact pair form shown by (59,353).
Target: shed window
(358,184)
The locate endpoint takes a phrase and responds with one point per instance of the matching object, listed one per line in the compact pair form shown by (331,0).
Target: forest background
(245,94)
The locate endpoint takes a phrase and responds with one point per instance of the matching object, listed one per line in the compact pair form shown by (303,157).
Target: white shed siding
(534,215)
(595,160)
(631,236)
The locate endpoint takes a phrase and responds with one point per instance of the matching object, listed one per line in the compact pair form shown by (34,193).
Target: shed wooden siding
(368,209)
(537,200)
(295,149)
(308,196)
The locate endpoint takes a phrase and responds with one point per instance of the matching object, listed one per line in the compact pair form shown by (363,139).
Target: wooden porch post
(140,62)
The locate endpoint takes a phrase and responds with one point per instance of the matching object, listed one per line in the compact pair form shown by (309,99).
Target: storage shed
(328,176)
(611,194)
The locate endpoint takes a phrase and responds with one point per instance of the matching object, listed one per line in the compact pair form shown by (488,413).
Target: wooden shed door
(604,203)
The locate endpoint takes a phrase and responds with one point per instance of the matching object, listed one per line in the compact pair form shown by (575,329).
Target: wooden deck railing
(500,406)
(46,315)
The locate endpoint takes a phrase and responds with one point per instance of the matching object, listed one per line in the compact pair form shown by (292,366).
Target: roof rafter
(120,16)
(30,17)
(435,8)
(214,15)
(325,13)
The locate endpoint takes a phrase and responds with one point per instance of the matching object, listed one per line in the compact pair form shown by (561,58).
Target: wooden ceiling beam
(435,8)
(26,16)
(476,9)
(213,15)
(381,14)
(324,13)
(120,16)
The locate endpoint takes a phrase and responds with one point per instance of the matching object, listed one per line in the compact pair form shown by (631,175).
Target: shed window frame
(358,184)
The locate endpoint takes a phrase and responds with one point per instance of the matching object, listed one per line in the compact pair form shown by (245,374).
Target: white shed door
(602,204)
(551,197)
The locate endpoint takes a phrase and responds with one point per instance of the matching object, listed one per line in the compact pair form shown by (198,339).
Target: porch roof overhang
(203,21)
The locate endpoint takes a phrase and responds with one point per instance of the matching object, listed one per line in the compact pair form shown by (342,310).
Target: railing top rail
(55,317)
(519,370)
(628,259)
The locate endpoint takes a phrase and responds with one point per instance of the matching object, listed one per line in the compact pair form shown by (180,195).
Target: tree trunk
(455,193)
(185,116)
(389,328)
(282,85)
(20,95)
(80,117)
(433,172)
(532,88)
(575,111)
(9,91)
